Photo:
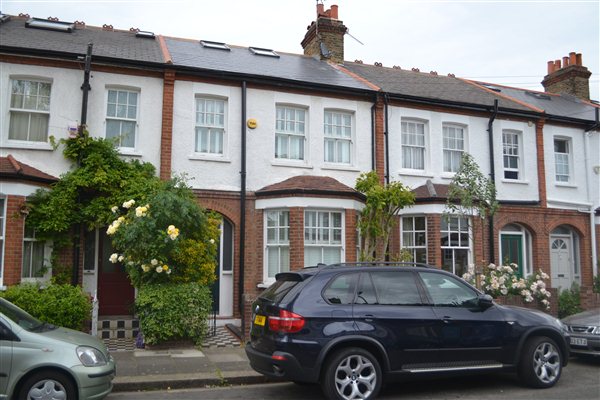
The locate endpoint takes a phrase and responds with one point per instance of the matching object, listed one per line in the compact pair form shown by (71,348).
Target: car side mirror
(485,301)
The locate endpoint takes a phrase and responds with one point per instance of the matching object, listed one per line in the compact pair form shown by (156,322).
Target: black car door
(389,307)
(466,332)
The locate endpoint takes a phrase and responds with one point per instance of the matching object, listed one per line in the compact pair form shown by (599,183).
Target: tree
(471,194)
(378,217)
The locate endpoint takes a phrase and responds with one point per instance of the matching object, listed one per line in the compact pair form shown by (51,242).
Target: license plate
(260,320)
(578,341)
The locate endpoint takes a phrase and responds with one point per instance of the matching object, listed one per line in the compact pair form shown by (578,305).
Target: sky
(499,41)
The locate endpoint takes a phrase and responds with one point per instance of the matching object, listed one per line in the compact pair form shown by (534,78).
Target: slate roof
(562,105)
(240,60)
(10,168)
(309,185)
(430,86)
(116,44)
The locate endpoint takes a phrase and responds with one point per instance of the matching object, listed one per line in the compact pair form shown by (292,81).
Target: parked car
(584,329)
(43,361)
(351,327)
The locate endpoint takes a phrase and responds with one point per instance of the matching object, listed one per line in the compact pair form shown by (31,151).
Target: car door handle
(369,317)
(447,319)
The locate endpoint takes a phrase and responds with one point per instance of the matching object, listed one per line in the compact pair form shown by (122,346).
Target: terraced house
(274,143)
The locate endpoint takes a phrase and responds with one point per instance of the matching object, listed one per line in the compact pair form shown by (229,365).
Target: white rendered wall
(65,111)
(223,173)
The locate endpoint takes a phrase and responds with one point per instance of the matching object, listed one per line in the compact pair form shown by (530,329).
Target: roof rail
(380,264)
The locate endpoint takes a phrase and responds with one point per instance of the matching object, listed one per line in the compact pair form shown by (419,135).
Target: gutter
(490,129)
(373,146)
(242,259)
(296,191)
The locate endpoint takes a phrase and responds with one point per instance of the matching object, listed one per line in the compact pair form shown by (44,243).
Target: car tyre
(541,363)
(47,384)
(352,373)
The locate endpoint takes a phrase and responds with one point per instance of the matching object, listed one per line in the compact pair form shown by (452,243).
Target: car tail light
(287,322)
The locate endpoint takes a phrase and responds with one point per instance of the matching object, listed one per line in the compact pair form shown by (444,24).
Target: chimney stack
(325,36)
(568,76)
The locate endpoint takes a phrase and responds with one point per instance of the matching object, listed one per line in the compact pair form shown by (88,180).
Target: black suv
(349,328)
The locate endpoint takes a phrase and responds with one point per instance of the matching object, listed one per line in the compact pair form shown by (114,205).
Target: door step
(118,327)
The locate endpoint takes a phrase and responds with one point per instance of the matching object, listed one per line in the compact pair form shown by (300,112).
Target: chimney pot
(334,11)
(565,62)
(568,76)
(579,59)
(320,10)
(557,64)
(550,67)
(572,58)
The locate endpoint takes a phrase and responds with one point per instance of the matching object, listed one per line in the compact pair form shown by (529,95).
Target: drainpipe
(242,212)
(587,134)
(490,130)
(84,105)
(386,143)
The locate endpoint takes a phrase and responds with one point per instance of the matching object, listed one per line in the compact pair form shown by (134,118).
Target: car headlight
(90,357)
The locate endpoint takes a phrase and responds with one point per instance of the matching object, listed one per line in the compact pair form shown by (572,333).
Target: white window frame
(123,119)
(413,247)
(461,246)
(409,144)
(29,277)
(275,245)
(338,140)
(562,178)
(453,147)
(3,204)
(512,150)
(29,110)
(284,133)
(319,241)
(214,128)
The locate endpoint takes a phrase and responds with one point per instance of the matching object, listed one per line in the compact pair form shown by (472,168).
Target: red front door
(115,293)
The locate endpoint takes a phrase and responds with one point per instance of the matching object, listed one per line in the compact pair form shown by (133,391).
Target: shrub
(173,311)
(62,305)
(569,301)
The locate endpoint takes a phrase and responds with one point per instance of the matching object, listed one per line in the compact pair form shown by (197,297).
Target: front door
(561,262)
(222,289)
(115,293)
(512,251)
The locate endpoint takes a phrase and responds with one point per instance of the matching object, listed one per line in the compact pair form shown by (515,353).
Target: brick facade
(13,240)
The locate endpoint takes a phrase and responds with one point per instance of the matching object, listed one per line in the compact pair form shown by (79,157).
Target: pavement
(182,367)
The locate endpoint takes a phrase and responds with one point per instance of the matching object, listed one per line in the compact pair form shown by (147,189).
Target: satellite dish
(324,50)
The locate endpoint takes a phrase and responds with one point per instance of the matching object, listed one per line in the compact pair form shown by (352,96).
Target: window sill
(448,175)
(202,157)
(515,181)
(43,146)
(290,164)
(566,185)
(412,172)
(340,167)
(129,153)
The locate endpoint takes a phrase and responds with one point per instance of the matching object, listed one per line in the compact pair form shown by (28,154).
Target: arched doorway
(564,257)
(222,288)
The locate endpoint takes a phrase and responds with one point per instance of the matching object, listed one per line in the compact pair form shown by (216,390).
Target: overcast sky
(500,41)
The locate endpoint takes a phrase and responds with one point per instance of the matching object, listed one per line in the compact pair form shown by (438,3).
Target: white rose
(154,261)
(114,209)
(121,258)
(159,269)
(113,258)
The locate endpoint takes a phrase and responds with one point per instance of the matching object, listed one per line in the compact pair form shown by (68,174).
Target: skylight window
(541,96)
(263,52)
(145,34)
(50,25)
(214,45)
(491,87)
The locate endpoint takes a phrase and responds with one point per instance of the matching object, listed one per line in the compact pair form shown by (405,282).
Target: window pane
(128,134)
(396,288)
(19,126)
(38,129)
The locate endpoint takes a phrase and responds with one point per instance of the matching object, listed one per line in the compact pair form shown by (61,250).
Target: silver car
(43,361)
(584,329)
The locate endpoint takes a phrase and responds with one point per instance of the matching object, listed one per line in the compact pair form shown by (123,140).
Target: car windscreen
(18,316)
(277,291)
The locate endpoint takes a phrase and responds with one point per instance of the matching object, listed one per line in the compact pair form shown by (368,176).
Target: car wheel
(352,373)
(47,385)
(541,363)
